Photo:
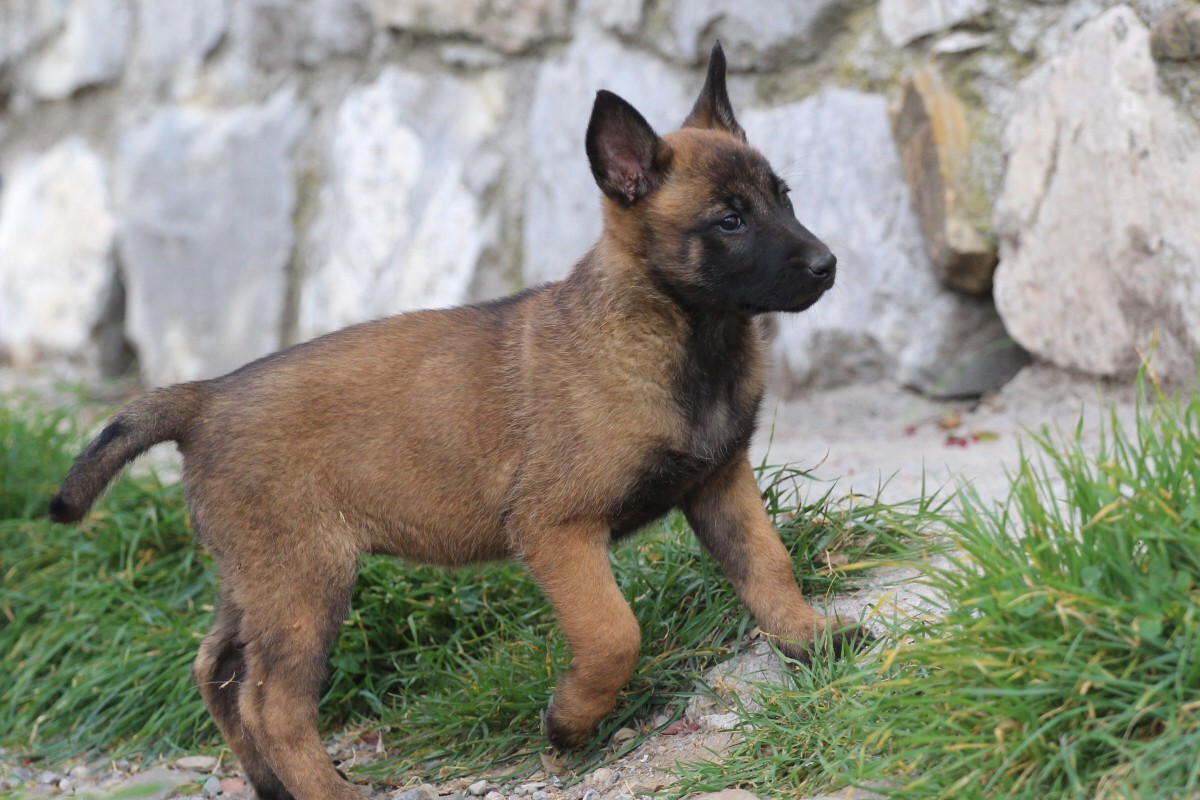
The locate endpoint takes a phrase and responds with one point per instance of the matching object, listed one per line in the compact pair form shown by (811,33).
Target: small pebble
(212,787)
(493,795)
(541,795)
(591,794)
(478,788)
(22,774)
(422,792)
(602,777)
(623,735)
(66,786)
(48,778)
(197,763)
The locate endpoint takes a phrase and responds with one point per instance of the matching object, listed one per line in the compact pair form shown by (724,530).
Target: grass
(98,624)
(1065,662)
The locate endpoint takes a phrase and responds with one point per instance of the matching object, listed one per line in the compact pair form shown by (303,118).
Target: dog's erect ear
(627,156)
(712,109)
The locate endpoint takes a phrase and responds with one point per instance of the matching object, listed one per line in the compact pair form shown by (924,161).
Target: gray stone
(887,315)
(1176,37)
(207,200)
(403,225)
(622,16)
(212,787)
(177,35)
(90,49)
(725,794)
(934,139)
(478,788)
(197,763)
(280,34)
(423,792)
(562,204)
(26,23)
(511,26)
(763,35)
(905,21)
(1099,247)
(56,267)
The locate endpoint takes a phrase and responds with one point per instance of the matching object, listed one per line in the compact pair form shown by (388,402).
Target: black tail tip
(62,513)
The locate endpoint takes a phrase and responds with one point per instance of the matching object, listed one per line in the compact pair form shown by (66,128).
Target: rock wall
(188,184)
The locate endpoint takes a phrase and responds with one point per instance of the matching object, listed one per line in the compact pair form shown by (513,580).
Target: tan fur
(526,429)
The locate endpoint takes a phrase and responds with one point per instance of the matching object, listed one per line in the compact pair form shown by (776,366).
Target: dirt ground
(869,440)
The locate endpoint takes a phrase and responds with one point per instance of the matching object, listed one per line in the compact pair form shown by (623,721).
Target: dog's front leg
(728,517)
(571,564)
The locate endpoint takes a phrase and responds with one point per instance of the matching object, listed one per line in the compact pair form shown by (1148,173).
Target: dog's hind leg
(571,565)
(219,670)
(291,614)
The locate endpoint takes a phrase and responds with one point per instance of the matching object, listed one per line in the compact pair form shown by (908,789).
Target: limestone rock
(280,34)
(404,225)
(1099,246)
(562,203)
(511,26)
(56,268)
(887,315)
(762,35)
(90,50)
(26,23)
(178,34)
(1176,37)
(934,138)
(622,16)
(905,21)
(207,200)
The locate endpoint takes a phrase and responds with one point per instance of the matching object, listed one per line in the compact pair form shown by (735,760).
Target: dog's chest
(716,393)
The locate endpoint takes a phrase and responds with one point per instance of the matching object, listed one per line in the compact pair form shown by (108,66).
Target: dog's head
(702,209)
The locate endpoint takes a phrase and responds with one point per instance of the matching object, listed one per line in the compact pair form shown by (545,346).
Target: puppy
(541,427)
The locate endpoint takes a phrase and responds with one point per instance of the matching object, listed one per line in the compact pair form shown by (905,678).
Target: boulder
(57,277)
(26,23)
(404,223)
(562,204)
(90,49)
(1176,37)
(934,138)
(888,314)
(1099,246)
(905,21)
(206,201)
(511,26)
(177,34)
(764,35)
(282,34)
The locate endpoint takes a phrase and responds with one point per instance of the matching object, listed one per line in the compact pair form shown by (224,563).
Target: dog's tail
(162,415)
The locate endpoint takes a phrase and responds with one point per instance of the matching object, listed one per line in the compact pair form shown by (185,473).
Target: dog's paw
(836,639)
(561,734)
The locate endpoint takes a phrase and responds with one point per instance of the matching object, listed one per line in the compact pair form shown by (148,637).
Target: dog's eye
(731,223)
(783,196)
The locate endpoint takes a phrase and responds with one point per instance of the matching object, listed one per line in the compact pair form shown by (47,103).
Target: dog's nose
(823,265)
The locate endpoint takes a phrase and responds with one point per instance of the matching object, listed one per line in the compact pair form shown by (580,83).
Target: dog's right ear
(627,157)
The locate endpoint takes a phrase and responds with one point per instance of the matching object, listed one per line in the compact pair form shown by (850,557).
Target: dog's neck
(629,283)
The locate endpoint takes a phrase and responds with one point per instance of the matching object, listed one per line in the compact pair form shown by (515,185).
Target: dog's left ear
(627,157)
(712,109)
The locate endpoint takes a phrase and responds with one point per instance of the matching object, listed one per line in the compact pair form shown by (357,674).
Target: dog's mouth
(790,305)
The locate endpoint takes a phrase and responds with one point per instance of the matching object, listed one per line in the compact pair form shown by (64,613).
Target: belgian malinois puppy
(540,427)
